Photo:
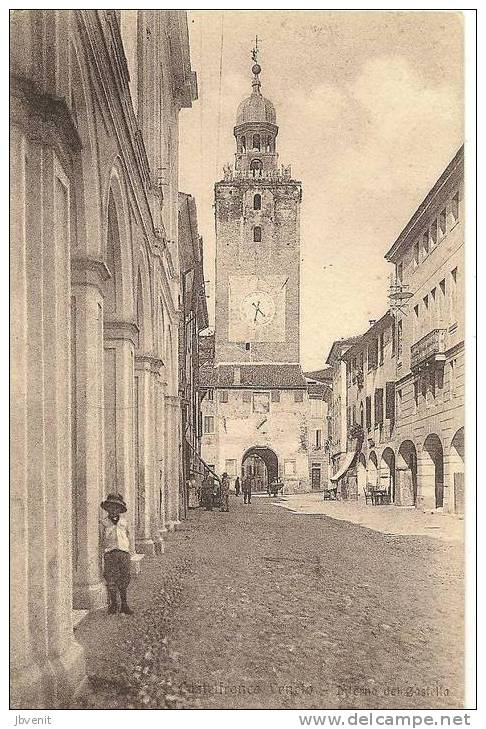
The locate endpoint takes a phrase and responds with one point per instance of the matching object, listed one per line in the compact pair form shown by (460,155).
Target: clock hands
(262,423)
(257,310)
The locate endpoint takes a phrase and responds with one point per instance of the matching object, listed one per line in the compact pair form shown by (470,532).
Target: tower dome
(256,108)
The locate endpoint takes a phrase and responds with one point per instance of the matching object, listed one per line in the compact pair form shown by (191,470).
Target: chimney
(237,376)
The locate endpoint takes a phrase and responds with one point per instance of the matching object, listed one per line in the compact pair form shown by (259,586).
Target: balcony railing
(429,349)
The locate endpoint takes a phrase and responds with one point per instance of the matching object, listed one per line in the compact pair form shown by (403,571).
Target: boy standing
(116,552)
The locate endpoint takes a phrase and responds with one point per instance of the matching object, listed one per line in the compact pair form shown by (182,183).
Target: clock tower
(257,207)
(255,401)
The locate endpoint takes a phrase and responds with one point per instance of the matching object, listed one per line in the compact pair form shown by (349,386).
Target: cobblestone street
(263,608)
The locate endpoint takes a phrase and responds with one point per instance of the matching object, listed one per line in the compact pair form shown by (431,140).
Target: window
(208,428)
(440,378)
(256,142)
(433,234)
(256,166)
(452,377)
(372,354)
(299,396)
(223,396)
(257,202)
(455,208)
(399,340)
(289,468)
(443,222)
(399,272)
(246,396)
(318,439)
(230,466)
(416,387)
(390,401)
(261,402)
(368,412)
(275,395)
(243,144)
(399,403)
(379,406)
(425,244)
(442,302)
(210,395)
(453,296)
(416,254)
(393,338)
(382,347)
(361,414)
(257,234)
(247,346)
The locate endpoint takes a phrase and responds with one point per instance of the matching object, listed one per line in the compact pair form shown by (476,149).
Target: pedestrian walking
(225,487)
(246,486)
(116,552)
(237,486)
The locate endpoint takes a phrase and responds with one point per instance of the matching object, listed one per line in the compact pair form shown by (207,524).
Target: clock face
(258,308)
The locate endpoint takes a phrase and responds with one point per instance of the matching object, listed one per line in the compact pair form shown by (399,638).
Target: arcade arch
(406,474)
(433,469)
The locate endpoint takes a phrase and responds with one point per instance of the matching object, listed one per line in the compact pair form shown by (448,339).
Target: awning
(348,459)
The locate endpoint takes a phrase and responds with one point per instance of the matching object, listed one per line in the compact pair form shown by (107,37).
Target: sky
(370,112)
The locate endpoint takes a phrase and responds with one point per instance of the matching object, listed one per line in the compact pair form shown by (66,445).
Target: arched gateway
(262,463)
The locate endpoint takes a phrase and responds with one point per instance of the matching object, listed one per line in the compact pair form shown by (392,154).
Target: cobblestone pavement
(263,608)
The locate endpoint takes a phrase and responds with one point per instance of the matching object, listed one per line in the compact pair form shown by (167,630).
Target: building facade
(95,313)
(256,407)
(370,410)
(338,427)
(429,265)
(193,322)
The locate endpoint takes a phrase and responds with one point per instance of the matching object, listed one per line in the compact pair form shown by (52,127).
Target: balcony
(428,350)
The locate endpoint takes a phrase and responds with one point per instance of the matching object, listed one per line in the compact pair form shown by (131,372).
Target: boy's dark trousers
(117,576)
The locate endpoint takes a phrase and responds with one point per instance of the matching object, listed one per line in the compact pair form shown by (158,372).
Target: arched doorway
(387,472)
(456,462)
(361,474)
(434,467)
(406,474)
(261,463)
(373,470)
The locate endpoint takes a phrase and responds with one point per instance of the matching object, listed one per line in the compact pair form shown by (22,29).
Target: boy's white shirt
(115,536)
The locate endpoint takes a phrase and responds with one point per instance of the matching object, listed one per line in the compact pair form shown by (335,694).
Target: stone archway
(406,475)
(387,472)
(262,463)
(432,471)
(456,471)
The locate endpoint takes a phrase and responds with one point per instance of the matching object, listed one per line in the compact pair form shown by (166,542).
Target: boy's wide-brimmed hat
(114,499)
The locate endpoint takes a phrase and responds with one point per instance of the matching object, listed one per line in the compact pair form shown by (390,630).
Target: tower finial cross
(254,53)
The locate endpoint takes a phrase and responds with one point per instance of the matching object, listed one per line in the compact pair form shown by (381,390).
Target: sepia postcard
(238,366)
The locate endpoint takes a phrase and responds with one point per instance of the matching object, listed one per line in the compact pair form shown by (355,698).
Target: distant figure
(237,486)
(247,490)
(207,493)
(225,486)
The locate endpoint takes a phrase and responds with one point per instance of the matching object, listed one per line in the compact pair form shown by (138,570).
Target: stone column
(47,664)
(174,460)
(119,414)
(88,429)
(160,458)
(147,523)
